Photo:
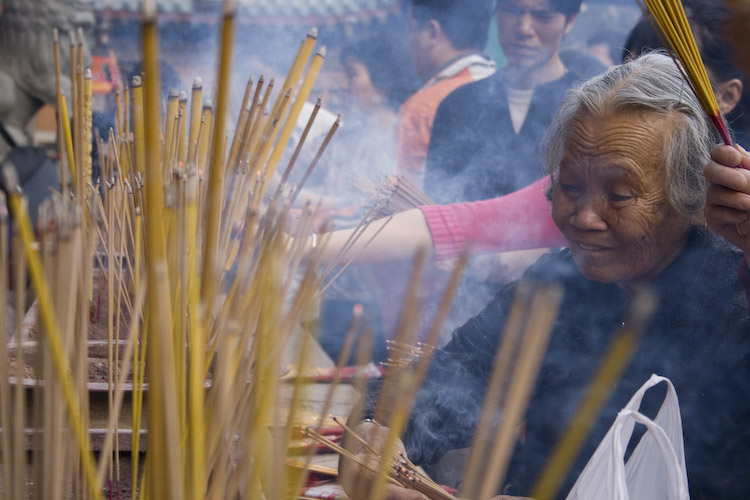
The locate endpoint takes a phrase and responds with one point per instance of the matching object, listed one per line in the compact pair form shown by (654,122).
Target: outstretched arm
(518,221)
(387,239)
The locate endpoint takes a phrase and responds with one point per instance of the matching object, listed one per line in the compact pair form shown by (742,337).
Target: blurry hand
(357,480)
(728,196)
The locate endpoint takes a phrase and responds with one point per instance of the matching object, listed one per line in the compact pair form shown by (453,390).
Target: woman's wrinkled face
(609,199)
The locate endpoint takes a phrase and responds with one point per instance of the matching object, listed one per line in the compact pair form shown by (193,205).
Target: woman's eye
(620,198)
(570,189)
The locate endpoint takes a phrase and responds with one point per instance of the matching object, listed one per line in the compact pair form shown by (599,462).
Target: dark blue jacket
(699,337)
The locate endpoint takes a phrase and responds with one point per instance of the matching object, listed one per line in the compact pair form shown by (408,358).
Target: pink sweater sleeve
(518,221)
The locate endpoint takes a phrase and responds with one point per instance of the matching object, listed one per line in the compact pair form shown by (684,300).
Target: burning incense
(541,317)
(51,327)
(671,24)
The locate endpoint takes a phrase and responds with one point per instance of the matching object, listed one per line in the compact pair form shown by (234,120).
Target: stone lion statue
(27,70)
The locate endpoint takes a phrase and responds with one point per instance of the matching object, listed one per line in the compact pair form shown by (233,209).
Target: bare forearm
(391,238)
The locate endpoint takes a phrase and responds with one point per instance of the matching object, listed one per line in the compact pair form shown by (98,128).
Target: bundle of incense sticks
(400,471)
(395,193)
(392,195)
(189,269)
(180,296)
(401,354)
(670,23)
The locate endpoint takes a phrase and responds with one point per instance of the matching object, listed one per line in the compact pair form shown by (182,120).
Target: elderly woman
(626,155)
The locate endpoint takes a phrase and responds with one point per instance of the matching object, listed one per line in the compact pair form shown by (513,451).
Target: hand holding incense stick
(727,208)
(363,456)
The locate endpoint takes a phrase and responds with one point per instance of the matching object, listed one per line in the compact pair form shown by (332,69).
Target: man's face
(530,32)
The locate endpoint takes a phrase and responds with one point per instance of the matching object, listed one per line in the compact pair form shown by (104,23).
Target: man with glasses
(486,134)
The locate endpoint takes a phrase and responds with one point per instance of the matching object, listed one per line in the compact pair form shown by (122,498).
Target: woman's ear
(728,94)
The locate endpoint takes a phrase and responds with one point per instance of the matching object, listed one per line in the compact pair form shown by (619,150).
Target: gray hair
(651,83)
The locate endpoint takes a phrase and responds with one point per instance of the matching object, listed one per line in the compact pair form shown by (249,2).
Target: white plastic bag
(656,469)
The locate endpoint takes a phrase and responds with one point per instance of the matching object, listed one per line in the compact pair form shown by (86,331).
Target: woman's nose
(588,215)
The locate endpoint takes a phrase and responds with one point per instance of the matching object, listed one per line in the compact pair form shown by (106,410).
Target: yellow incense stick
(67,138)
(670,22)
(210,270)
(87,125)
(51,329)
(60,117)
(291,121)
(201,154)
(611,369)
(196,99)
(138,127)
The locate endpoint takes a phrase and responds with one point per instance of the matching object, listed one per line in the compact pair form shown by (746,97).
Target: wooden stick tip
(208,104)
(197,83)
(149,10)
(173,94)
(182,95)
(313,33)
(229,7)
(322,51)
(55,35)
(87,74)
(357,310)
(10,178)
(137,82)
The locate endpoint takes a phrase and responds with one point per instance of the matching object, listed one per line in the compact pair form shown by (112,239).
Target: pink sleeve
(518,221)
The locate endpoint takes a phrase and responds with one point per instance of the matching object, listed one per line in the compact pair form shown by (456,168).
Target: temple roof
(272,9)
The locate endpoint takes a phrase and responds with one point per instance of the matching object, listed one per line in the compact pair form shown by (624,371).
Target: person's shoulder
(478,93)
(713,249)
(581,64)
(708,269)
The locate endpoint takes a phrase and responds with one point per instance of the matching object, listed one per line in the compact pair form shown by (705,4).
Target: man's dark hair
(465,22)
(568,8)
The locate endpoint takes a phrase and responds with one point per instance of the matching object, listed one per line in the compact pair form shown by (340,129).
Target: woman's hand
(359,480)
(728,196)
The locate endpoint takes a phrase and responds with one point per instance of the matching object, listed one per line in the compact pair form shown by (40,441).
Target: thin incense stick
(46,309)
(544,306)
(601,385)
(209,273)
(671,24)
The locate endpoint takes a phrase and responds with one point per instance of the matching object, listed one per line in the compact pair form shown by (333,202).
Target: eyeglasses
(541,16)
